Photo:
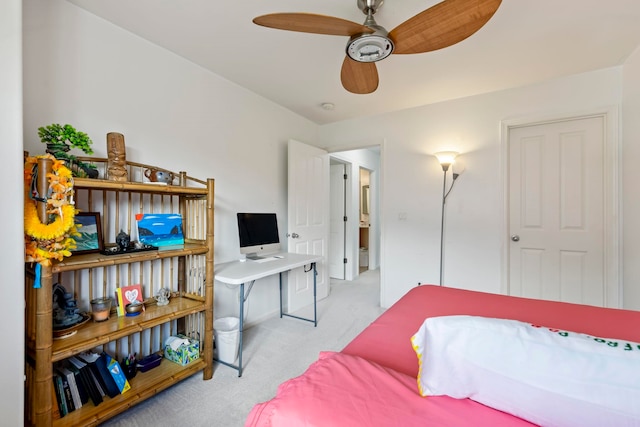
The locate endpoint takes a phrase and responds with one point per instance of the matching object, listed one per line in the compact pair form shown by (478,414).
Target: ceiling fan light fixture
(369,47)
(444,24)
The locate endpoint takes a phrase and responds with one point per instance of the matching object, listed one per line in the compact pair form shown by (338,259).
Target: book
(111,388)
(90,359)
(79,382)
(119,302)
(71,384)
(97,382)
(130,294)
(66,392)
(87,380)
(117,374)
(60,396)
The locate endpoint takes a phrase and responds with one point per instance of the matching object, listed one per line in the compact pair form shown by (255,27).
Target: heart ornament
(131,295)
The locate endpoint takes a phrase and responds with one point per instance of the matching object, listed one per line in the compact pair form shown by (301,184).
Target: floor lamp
(446,159)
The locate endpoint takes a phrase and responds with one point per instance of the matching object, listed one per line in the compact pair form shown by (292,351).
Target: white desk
(242,273)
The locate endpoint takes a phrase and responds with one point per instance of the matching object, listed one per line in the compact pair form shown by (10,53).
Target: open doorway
(354,212)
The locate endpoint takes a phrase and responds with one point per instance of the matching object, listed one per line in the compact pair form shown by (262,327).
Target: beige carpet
(274,351)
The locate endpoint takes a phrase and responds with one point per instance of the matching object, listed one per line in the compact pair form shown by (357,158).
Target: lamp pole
(444,198)
(446,159)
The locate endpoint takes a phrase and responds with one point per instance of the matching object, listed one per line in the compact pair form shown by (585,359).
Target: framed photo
(90,230)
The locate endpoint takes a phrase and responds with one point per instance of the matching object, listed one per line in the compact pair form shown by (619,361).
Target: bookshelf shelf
(143,386)
(185,270)
(95,334)
(98,260)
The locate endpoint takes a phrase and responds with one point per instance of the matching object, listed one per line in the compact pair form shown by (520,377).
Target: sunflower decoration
(52,240)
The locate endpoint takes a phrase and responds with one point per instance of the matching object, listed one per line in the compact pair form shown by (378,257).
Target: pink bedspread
(343,390)
(387,340)
(372,382)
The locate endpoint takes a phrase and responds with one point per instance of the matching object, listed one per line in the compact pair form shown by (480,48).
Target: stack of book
(86,377)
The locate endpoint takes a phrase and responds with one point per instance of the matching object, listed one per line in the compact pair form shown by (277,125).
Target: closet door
(556,209)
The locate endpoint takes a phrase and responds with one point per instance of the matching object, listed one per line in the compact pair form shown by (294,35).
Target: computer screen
(258,234)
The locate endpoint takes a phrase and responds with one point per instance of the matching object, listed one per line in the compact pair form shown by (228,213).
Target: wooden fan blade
(442,25)
(359,77)
(311,23)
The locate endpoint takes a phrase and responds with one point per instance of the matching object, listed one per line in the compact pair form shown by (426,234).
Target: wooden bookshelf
(186,270)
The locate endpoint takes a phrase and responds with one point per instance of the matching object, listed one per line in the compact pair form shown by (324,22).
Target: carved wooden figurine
(117,158)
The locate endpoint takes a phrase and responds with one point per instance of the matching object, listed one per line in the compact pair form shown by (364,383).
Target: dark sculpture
(123,241)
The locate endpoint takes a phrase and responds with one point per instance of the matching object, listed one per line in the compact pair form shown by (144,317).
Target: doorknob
(515,237)
(293,235)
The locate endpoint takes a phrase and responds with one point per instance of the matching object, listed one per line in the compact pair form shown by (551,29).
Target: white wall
(630,179)
(411,185)
(82,70)
(11,306)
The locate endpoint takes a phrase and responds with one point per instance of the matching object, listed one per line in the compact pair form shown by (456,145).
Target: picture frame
(160,229)
(90,230)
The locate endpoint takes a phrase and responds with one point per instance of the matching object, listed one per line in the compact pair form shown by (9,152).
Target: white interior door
(556,210)
(337,222)
(308,220)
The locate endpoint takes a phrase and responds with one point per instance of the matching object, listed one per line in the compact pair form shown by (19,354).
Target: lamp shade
(446,158)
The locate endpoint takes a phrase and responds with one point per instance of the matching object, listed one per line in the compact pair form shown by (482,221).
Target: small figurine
(163,296)
(155,175)
(123,241)
(117,157)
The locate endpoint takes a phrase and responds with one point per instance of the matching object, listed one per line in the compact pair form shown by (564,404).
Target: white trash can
(226,332)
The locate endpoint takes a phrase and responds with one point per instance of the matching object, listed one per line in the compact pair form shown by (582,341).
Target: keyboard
(268,258)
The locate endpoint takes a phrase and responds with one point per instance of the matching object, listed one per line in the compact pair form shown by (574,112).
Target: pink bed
(372,381)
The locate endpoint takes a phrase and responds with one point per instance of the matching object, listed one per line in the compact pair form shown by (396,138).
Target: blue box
(149,362)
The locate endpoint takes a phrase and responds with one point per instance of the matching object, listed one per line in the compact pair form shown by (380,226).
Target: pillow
(543,375)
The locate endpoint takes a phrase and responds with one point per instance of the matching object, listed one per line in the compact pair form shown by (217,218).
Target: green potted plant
(61,139)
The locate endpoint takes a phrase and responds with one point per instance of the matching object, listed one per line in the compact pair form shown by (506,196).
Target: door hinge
(344,261)
(344,176)
(344,218)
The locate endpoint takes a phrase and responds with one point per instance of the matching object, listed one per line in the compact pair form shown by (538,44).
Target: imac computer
(258,234)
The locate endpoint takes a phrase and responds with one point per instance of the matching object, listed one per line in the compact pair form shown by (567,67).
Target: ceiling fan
(437,27)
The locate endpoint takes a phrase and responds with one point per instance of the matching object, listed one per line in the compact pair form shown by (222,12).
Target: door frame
(352,207)
(333,212)
(612,197)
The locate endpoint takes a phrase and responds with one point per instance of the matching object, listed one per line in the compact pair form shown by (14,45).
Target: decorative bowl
(59,333)
(134,308)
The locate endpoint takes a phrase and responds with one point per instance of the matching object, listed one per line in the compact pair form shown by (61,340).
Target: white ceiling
(526,41)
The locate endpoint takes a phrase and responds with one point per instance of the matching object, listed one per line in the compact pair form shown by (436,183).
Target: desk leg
(241,330)
(315,298)
(242,299)
(280,295)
